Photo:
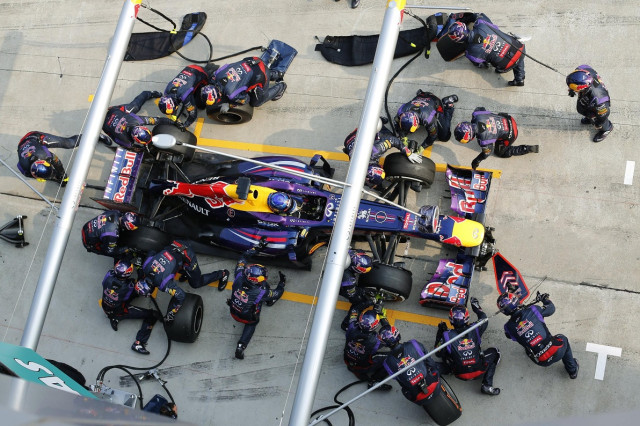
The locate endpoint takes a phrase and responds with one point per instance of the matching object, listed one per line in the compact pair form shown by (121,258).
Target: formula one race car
(223,207)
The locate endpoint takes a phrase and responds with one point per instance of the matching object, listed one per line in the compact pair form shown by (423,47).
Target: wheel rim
(229,117)
(317,246)
(197,322)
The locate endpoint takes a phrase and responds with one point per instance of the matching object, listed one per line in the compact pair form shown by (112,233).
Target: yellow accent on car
(469,232)
(256,200)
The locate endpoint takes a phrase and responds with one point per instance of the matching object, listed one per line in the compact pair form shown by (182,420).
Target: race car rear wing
(120,189)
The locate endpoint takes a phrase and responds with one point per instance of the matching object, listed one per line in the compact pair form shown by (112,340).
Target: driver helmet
(390,336)
(458,32)
(211,94)
(508,303)
(360,261)
(254,273)
(41,169)
(409,121)
(130,221)
(123,269)
(579,80)
(167,105)
(375,176)
(368,319)
(464,132)
(458,316)
(140,134)
(282,203)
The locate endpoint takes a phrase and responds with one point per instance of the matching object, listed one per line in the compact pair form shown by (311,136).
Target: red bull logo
(357,347)
(466,345)
(523,327)
(404,361)
(241,295)
(453,240)
(489,42)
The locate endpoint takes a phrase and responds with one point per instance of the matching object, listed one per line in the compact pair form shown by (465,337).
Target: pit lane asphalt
(564,213)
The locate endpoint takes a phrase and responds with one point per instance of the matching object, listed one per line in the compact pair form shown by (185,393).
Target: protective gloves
(415,158)
(475,305)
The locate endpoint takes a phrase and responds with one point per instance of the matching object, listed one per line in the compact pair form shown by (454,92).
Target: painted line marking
(392,315)
(602,351)
(299,152)
(628,173)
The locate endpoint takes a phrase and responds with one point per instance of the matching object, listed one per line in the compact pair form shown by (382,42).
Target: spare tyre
(188,321)
(397,165)
(236,115)
(393,282)
(145,239)
(444,407)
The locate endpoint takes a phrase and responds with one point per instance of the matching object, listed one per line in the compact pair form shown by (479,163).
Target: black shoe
(279,95)
(599,137)
(355,3)
(585,120)
(105,140)
(534,148)
(222,284)
(575,374)
(155,94)
(449,100)
(516,83)
(114,323)
(490,390)
(386,387)
(240,351)
(139,347)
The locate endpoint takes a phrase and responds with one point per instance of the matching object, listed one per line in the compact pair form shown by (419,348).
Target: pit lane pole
(346,216)
(73,191)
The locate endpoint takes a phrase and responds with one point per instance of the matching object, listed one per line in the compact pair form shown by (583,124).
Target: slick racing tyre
(394,283)
(443,407)
(145,239)
(396,165)
(236,115)
(183,137)
(186,326)
(449,49)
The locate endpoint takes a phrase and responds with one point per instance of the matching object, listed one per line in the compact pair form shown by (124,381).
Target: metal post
(73,191)
(345,219)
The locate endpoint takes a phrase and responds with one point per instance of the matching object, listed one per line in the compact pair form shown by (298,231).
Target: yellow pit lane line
(301,152)
(392,315)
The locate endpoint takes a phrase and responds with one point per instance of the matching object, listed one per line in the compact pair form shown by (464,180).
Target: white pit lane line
(628,174)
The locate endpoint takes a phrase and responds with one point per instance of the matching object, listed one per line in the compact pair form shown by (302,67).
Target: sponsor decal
(241,295)
(546,348)
(523,326)
(504,50)
(480,182)
(406,360)
(198,209)
(489,42)
(537,340)
(466,345)
(246,67)
(457,294)
(357,348)
(455,241)
(378,217)
(416,379)
(468,361)
(409,221)
(439,290)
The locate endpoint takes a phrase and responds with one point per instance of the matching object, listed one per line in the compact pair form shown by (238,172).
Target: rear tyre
(396,165)
(186,326)
(444,407)
(236,115)
(145,239)
(181,137)
(393,282)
